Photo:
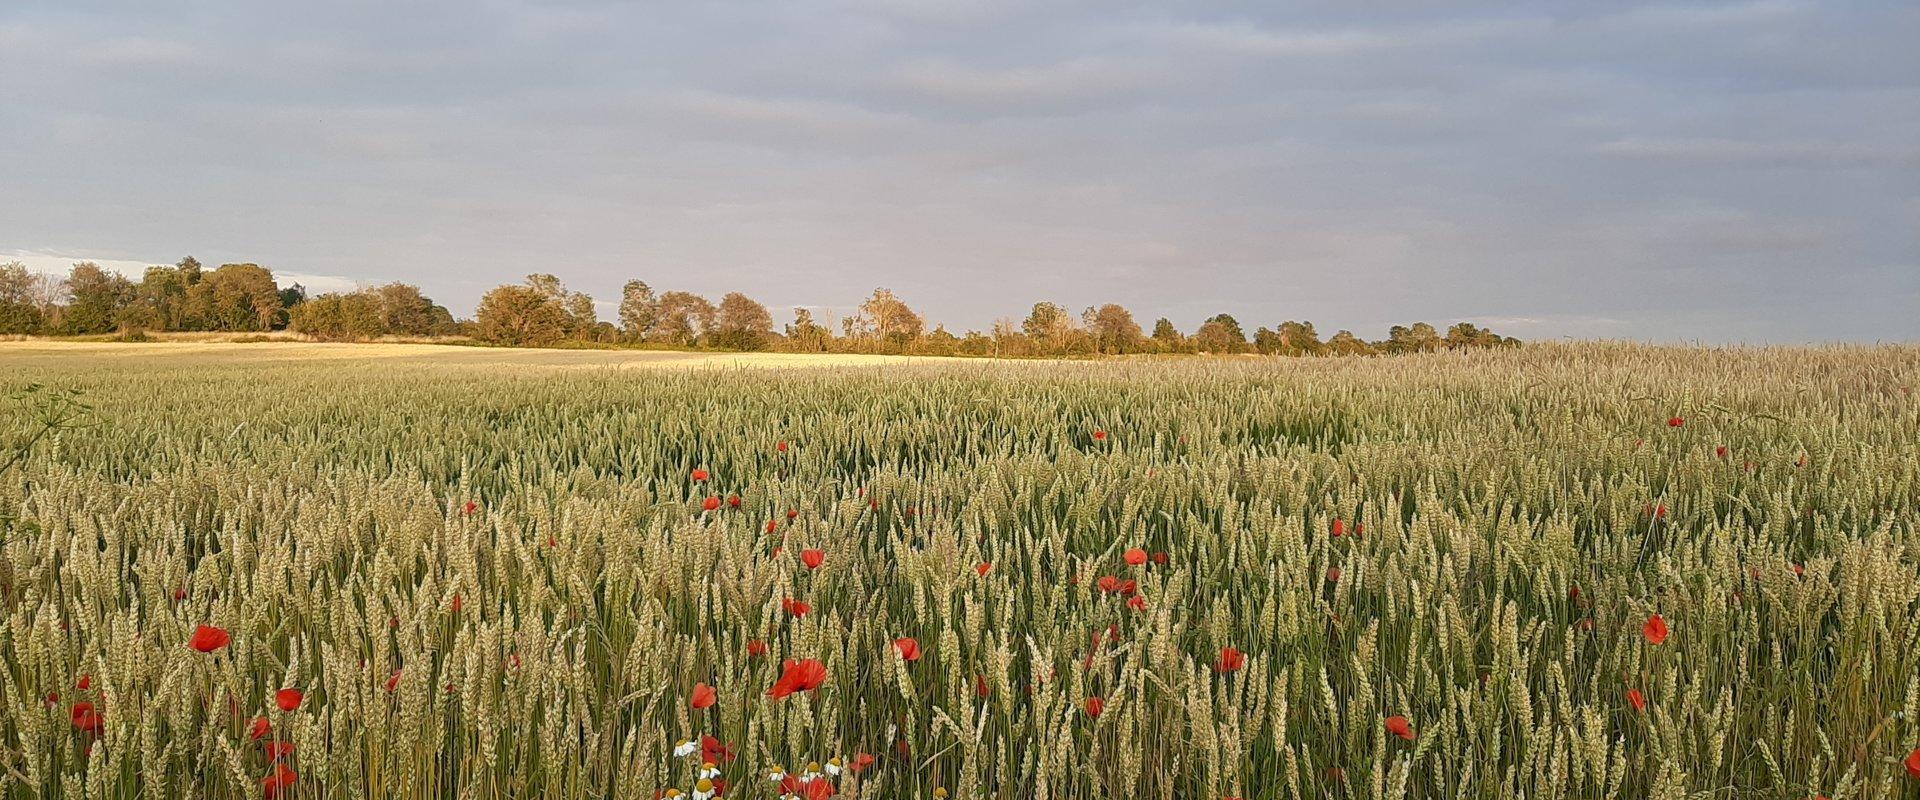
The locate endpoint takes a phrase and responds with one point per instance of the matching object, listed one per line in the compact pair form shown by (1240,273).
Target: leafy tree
(1420,338)
(742,323)
(941,342)
(639,309)
(1113,329)
(406,311)
(1464,335)
(97,300)
(292,296)
(1046,324)
(521,315)
(1167,336)
(1221,334)
(888,317)
(235,297)
(684,317)
(353,316)
(806,336)
(1344,343)
(18,314)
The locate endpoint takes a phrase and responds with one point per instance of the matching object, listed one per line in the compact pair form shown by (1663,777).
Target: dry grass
(312,500)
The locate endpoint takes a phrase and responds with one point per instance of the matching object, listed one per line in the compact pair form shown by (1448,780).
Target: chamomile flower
(670,793)
(778,773)
(813,771)
(708,770)
(703,790)
(685,748)
(834,766)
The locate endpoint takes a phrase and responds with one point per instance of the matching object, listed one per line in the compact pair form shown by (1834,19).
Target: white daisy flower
(708,770)
(834,767)
(776,774)
(703,790)
(685,749)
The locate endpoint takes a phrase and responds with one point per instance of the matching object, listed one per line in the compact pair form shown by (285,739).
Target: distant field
(1559,571)
(28,353)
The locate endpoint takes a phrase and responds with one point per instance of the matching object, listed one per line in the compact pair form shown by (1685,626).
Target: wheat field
(1583,571)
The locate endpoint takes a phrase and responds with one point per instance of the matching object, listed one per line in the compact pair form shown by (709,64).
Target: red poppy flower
(711,504)
(1137,603)
(1638,700)
(1675,422)
(733,501)
(259,728)
(458,601)
(980,686)
(1135,557)
(1799,571)
(86,718)
(393,681)
(469,508)
(700,475)
(180,594)
(1655,630)
(983,567)
(85,683)
(773,525)
(1333,574)
(1099,436)
(1160,559)
(782,447)
(819,789)
(1129,587)
(1109,584)
(799,676)
(1339,527)
(703,696)
(792,513)
(1231,660)
(207,639)
(715,751)
(281,780)
(1913,764)
(755,647)
(861,761)
(1398,726)
(1720,451)
(795,607)
(909,648)
(288,699)
(1095,706)
(813,558)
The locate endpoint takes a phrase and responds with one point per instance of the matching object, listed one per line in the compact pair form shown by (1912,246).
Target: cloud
(1747,151)
(60,262)
(1051,85)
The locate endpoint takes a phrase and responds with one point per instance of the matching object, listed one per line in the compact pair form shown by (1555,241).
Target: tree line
(542,312)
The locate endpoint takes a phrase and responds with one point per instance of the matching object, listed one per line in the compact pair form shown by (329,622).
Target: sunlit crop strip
(1560,571)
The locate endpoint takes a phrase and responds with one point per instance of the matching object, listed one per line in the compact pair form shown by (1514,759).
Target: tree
(742,323)
(97,300)
(684,317)
(353,316)
(405,311)
(1221,334)
(1464,335)
(1113,329)
(806,336)
(235,297)
(521,315)
(292,296)
(1046,325)
(1167,336)
(1421,338)
(639,309)
(888,317)
(18,314)
(1299,339)
(1344,343)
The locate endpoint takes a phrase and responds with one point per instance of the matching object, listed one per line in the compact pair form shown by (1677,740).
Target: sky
(1744,172)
